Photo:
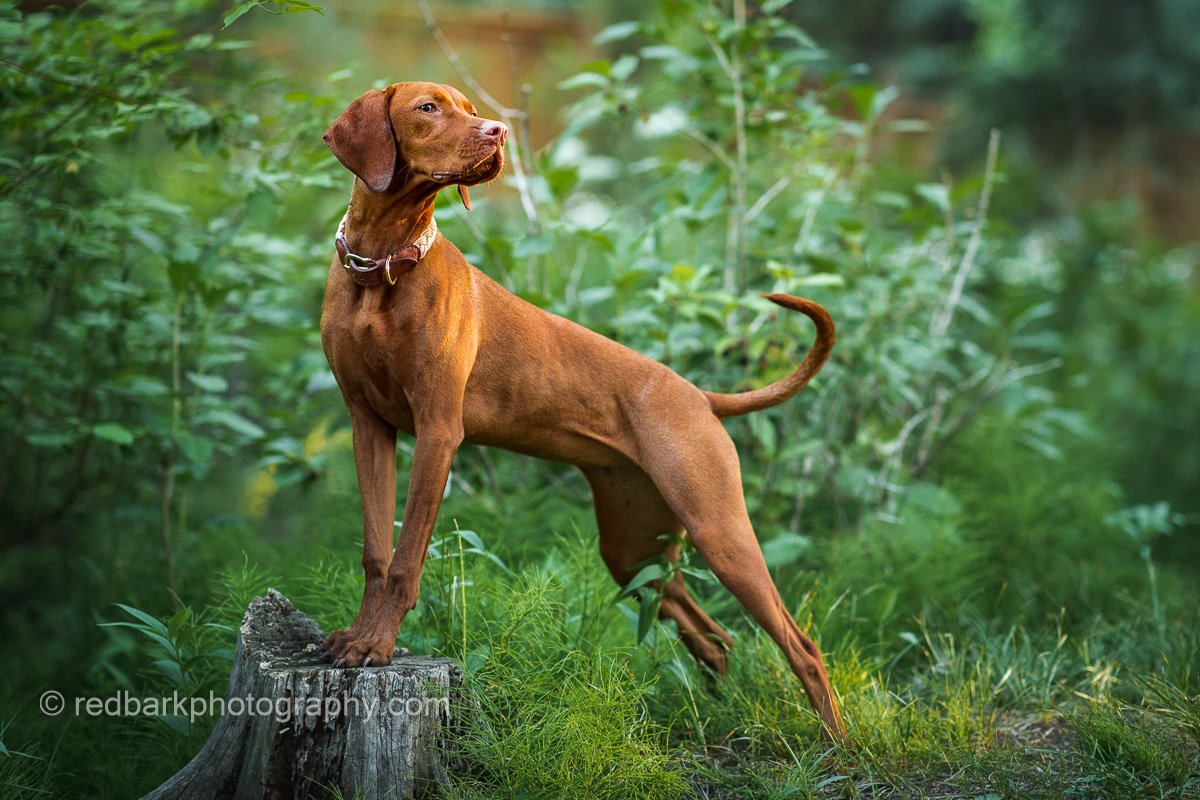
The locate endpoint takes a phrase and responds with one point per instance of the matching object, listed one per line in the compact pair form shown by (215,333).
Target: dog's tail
(731,405)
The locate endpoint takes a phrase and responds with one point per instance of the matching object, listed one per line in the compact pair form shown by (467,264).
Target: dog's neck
(378,223)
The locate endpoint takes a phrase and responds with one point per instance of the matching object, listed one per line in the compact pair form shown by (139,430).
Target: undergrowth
(565,704)
(958,508)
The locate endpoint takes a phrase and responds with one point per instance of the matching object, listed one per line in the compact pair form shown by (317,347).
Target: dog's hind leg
(700,480)
(636,524)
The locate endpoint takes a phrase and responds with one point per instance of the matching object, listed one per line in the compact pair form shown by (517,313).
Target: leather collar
(378,271)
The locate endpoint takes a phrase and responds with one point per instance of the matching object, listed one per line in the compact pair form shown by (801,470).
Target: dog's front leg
(375,463)
(437,440)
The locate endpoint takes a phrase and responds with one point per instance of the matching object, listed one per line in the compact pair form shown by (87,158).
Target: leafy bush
(157,337)
(944,507)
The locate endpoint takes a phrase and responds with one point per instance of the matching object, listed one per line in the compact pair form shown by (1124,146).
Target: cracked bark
(294,727)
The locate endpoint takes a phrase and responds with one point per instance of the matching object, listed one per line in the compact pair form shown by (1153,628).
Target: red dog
(421,341)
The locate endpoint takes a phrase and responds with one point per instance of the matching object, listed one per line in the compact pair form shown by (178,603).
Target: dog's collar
(376,271)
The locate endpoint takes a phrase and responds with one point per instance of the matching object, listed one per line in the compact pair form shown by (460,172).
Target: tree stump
(291,726)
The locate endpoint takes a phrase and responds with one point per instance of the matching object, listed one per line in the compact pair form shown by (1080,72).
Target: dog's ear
(362,139)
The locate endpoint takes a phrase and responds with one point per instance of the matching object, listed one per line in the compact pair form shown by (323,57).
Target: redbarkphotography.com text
(282,709)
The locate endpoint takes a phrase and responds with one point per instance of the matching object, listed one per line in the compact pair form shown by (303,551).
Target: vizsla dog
(423,342)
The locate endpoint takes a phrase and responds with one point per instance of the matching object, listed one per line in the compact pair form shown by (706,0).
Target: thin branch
(514,116)
(524,188)
(810,215)
(948,220)
(968,262)
(1020,374)
(448,50)
(712,147)
(1001,379)
(501,272)
(981,377)
(771,193)
(83,87)
(735,238)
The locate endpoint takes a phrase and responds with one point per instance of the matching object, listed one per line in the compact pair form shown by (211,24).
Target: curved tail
(731,405)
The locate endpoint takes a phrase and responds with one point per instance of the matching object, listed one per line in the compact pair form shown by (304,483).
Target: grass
(955,702)
(24,772)
(568,707)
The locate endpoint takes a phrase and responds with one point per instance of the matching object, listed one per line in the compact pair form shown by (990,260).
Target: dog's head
(424,132)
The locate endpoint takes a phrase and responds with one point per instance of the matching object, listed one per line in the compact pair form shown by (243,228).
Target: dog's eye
(427,107)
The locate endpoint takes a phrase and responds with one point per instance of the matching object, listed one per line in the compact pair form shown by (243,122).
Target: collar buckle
(357,263)
(374,271)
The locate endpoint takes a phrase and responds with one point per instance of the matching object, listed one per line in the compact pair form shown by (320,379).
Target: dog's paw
(364,653)
(336,642)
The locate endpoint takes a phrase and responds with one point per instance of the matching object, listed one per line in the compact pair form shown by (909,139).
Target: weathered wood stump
(291,726)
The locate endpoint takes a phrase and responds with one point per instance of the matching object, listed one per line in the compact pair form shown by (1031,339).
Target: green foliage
(959,507)
(145,297)
(271,7)
(653,574)
(558,719)
(24,773)
(746,182)
(184,650)
(1126,749)
(1021,61)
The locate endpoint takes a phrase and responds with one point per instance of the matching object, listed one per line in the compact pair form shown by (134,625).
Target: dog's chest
(368,354)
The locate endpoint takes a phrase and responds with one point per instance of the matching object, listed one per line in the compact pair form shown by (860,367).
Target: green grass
(941,703)
(24,771)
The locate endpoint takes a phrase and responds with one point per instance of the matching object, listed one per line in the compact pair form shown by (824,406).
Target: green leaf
(764,431)
(171,669)
(624,66)
(617,32)
(235,422)
(651,572)
(584,80)
(237,12)
(647,614)
(786,548)
(296,6)
(595,294)
(149,240)
(147,619)
(820,279)
(933,500)
(197,449)
(473,539)
(775,6)
(533,246)
(937,194)
(208,383)
(50,439)
(182,274)
(112,432)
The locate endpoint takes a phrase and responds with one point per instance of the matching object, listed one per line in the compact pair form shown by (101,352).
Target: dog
(422,342)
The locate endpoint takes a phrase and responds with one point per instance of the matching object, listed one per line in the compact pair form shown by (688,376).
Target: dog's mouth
(486,169)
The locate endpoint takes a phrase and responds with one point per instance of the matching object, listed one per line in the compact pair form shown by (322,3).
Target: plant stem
(168,467)
(735,248)
(462,588)
(942,323)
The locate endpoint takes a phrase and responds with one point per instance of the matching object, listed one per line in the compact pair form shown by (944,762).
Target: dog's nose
(495,130)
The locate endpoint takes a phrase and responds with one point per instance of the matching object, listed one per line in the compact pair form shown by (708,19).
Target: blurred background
(998,470)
